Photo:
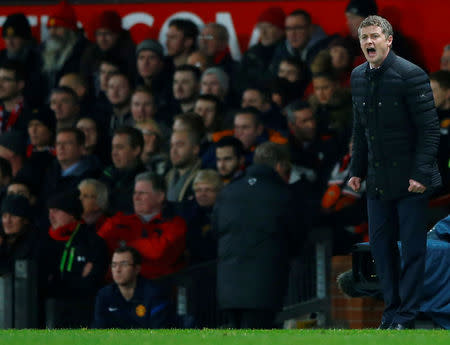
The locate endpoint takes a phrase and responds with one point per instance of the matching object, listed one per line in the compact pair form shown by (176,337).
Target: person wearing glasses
(131,301)
(303,39)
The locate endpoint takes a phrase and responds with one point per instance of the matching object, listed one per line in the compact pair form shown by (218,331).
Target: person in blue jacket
(131,301)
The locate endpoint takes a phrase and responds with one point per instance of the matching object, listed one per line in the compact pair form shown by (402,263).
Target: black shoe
(401,326)
(384,325)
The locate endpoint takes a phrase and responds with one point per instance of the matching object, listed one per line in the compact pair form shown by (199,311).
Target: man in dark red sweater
(153,229)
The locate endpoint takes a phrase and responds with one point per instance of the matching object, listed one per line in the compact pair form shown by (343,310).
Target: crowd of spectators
(112,152)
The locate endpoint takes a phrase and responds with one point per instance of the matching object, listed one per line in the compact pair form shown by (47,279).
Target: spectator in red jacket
(153,229)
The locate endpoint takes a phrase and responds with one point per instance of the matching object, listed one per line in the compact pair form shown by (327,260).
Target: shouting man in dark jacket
(254,218)
(396,138)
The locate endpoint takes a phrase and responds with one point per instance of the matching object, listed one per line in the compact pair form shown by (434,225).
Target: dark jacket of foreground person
(257,225)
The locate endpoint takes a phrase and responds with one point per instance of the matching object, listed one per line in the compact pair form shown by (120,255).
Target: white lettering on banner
(225,19)
(134,18)
(44,31)
(33,20)
(254,38)
(179,15)
(137,18)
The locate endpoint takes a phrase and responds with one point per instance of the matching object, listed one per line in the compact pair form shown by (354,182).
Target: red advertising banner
(425,22)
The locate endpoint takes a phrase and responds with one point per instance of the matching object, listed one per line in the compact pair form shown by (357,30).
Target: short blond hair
(208,176)
(141,125)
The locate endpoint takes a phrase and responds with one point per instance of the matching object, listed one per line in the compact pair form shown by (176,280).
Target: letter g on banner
(134,18)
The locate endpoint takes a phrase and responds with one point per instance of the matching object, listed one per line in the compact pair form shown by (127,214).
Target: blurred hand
(87,269)
(416,187)
(354,183)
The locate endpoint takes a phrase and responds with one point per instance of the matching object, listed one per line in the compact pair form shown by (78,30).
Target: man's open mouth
(371,51)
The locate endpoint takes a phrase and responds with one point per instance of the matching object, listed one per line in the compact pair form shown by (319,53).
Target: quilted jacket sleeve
(419,98)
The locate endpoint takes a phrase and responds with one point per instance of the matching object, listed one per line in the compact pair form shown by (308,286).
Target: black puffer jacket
(395,128)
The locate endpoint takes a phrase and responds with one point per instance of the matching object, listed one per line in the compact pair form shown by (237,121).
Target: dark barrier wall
(426,22)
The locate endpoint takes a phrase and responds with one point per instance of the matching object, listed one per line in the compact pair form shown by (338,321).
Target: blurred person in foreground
(258,226)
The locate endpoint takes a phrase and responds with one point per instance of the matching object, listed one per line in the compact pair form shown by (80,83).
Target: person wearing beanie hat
(111,42)
(151,45)
(17,36)
(69,202)
(19,239)
(16,215)
(77,257)
(63,16)
(41,128)
(271,26)
(16,205)
(17,25)
(40,152)
(256,60)
(65,45)
(108,29)
(26,184)
(109,20)
(154,70)
(274,16)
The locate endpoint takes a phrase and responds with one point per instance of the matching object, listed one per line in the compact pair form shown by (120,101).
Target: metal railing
(19,297)
(308,288)
(194,292)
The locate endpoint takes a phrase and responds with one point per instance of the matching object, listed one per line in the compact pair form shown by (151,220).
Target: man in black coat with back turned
(257,224)
(396,138)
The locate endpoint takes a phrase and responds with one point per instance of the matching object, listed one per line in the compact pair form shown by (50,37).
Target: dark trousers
(404,220)
(250,318)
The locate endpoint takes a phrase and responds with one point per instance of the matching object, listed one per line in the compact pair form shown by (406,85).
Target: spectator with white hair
(94,198)
(153,229)
(201,245)
(215,82)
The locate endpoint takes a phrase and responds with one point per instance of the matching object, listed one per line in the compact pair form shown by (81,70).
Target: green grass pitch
(232,337)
